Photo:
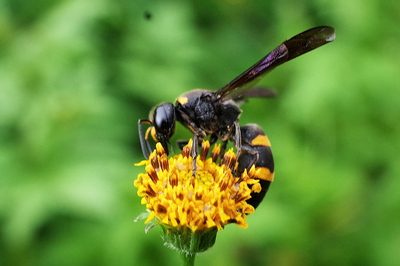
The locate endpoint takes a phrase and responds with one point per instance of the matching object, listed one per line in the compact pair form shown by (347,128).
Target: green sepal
(185,241)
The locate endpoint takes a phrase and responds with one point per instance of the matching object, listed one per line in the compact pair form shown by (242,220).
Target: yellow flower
(211,198)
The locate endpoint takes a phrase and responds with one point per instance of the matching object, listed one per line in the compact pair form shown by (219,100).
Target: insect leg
(195,148)
(237,138)
(144,143)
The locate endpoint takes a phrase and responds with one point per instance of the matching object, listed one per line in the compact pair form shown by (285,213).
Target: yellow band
(264,174)
(261,140)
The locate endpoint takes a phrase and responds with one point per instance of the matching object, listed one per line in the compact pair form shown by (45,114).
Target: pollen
(214,197)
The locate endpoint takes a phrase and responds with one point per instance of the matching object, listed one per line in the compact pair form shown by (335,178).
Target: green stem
(188,258)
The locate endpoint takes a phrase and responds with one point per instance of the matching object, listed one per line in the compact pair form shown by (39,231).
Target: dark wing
(239,96)
(292,48)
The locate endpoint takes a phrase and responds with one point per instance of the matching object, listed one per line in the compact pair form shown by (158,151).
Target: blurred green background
(75,76)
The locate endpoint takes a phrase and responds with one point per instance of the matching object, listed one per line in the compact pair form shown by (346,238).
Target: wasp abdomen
(256,150)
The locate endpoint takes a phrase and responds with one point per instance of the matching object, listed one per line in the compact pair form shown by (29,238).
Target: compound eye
(164,119)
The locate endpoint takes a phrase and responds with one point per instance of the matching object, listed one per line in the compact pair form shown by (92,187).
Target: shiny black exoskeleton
(256,150)
(215,114)
(163,127)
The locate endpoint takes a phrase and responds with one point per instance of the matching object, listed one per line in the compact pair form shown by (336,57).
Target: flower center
(213,197)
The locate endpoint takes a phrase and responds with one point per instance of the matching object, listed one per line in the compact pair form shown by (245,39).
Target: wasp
(215,113)
(256,150)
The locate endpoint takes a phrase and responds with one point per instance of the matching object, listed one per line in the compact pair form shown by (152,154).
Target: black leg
(195,148)
(144,143)
(238,136)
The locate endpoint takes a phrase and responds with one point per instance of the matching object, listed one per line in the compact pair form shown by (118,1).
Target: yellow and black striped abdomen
(256,150)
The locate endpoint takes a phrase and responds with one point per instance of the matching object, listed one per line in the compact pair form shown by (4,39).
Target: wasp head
(163,119)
